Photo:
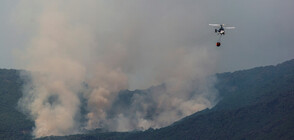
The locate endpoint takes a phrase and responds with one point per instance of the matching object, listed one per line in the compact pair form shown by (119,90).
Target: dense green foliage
(255,104)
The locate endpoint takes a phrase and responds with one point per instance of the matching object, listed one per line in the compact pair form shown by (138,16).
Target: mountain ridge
(255,104)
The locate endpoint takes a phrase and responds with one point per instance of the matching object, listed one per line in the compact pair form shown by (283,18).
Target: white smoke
(89,51)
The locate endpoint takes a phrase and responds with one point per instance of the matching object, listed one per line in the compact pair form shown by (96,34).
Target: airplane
(221,30)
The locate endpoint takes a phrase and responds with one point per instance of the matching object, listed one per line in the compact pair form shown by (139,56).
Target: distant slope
(246,87)
(256,104)
(13,124)
(267,120)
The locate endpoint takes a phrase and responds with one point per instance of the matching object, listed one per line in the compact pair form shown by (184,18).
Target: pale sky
(264,31)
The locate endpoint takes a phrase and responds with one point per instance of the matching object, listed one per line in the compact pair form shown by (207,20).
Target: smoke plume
(82,54)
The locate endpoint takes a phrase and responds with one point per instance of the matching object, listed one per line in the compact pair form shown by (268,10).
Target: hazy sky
(264,33)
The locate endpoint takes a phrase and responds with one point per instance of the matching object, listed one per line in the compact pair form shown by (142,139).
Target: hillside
(255,104)
(13,124)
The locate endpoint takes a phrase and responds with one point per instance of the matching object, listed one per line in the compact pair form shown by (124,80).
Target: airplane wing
(229,27)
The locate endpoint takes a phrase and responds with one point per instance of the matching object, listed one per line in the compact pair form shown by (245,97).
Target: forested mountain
(13,124)
(254,104)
